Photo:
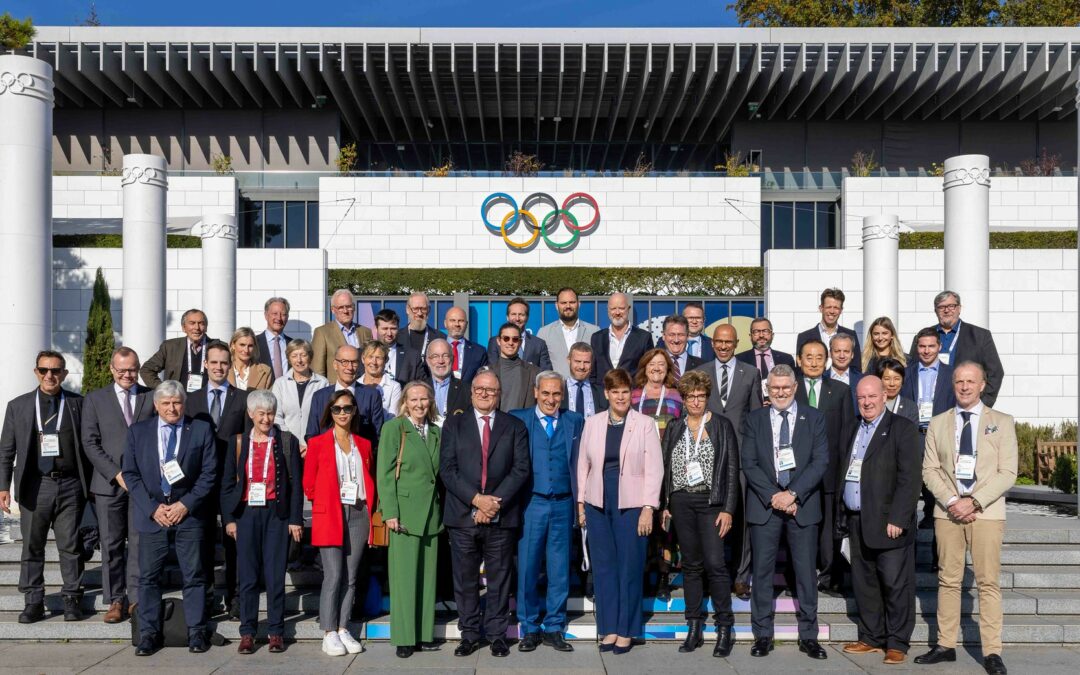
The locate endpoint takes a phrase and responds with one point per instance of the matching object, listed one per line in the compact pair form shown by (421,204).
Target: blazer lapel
(628,432)
(498,425)
(185,441)
(880,434)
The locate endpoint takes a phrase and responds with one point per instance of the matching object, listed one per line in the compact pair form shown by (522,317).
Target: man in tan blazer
(969,464)
(180,358)
(334,333)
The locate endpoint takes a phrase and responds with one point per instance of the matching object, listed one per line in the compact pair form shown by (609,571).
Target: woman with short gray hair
(295,389)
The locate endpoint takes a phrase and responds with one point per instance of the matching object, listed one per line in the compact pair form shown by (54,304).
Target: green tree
(15,33)
(100,343)
(900,13)
(1041,13)
(92,18)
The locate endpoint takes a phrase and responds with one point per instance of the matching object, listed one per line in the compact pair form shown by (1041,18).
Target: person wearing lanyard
(580,393)
(41,462)
(699,498)
(339,481)
(262,504)
(180,358)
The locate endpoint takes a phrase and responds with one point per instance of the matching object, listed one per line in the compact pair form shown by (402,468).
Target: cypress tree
(98,349)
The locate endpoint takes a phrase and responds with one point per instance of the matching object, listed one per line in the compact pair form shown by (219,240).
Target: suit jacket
(323,487)
(750,357)
(265,356)
(396,354)
(641,462)
(369,408)
(811,446)
(724,489)
(529,398)
(508,467)
(832,402)
(325,342)
(552,334)
(944,396)
(288,480)
(169,359)
(890,482)
(196,454)
(292,413)
(692,363)
(104,433)
(638,342)
(458,397)
(260,376)
(569,427)
(854,375)
(234,417)
(415,368)
(973,344)
(907,409)
(814,334)
(744,393)
(995,461)
(707,353)
(411,495)
(600,403)
(534,350)
(18,469)
(473,358)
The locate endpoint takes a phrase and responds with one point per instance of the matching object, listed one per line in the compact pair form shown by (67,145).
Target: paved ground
(660,657)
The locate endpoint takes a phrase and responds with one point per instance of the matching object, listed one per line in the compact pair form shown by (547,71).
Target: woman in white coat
(294,390)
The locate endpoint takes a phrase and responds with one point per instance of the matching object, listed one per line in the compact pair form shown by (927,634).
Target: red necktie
(485,444)
(457,365)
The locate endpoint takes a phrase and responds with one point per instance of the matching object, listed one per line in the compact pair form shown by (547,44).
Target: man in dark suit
(532,349)
(42,462)
(763,356)
(844,364)
(675,333)
(833,400)
(961,341)
(368,401)
(416,336)
(831,307)
(784,454)
(581,394)
(697,342)
(484,464)
(170,467)
(272,342)
(620,346)
(106,415)
(468,357)
(180,358)
(451,393)
(386,332)
(881,475)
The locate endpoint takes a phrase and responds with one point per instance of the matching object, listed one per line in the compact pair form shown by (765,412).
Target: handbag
(380,533)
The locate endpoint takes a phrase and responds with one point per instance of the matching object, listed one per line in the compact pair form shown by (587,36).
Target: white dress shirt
(616,346)
(569,334)
(774,415)
(351,467)
(976,414)
(730,368)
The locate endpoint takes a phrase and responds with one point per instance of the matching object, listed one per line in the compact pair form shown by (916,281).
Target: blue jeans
(618,560)
(545,537)
(153,549)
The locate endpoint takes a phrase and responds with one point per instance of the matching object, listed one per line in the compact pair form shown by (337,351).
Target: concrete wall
(1033,314)
(653,222)
(100,198)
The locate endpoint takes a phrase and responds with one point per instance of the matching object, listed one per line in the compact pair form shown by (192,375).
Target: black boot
(725,640)
(694,636)
(663,587)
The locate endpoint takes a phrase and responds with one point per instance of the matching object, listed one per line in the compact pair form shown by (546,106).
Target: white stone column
(145,183)
(967,234)
(26,276)
(881,268)
(219,233)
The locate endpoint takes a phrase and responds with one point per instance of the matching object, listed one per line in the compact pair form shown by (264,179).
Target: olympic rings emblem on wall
(542,227)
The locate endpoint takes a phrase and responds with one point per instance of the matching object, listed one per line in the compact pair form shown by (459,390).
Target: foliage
(1043,165)
(100,342)
(708,281)
(1040,13)
(734,165)
(1000,240)
(642,167)
(222,165)
(441,171)
(900,13)
(1028,437)
(863,164)
(520,164)
(347,157)
(117,241)
(937,169)
(92,18)
(1064,476)
(15,33)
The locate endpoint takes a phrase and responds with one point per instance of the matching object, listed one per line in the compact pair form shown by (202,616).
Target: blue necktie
(549,426)
(783,478)
(966,447)
(170,455)
(579,398)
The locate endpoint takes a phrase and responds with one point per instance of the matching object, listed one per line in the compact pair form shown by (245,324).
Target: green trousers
(412,562)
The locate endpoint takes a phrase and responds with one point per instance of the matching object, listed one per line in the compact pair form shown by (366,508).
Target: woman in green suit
(408,469)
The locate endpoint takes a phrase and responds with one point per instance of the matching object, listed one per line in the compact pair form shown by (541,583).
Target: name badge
(944,357)
(439,419)
(457,374)
(194,383)
(694,474)
(765,389)
(257,494)
(854,470)
(349,492)
(786,458)
(926,411)
(50,445)
(965,467)
(173,472)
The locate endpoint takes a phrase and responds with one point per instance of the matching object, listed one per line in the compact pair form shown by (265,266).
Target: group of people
(685,452)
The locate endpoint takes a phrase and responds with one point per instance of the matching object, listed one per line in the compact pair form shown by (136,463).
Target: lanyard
(697,442)
(659,402)
(266,460)
(955,337)
(187,347)
(59,413)
(350,462)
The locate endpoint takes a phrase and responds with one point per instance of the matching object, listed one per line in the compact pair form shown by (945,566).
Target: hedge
(1056,239)
(706,281)
(1028,437)
(117,241)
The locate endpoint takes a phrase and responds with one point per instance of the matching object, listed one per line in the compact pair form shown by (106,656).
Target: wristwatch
(794,495)
(975,503)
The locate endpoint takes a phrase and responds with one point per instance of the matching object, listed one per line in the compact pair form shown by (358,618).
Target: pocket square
(990,430)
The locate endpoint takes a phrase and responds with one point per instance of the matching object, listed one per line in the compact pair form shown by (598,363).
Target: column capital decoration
(883,230)
(147,175)
(212,230)
(967,176)
(25,84)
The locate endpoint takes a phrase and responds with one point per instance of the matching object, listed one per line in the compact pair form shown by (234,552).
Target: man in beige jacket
(338,331)
(969,464)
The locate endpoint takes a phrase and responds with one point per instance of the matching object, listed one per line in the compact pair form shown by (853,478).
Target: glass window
(313,225)
(804,224)
(251,217)
(826,225)
(783,225)
(274,225)
(295,224)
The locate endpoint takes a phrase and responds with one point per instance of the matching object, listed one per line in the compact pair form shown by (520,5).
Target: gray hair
(342,291)
(940,297)
(261,399)
(547,375)
(170,389)
(781,370)
(842,336)
(970,364)
(271,301)
(297,344)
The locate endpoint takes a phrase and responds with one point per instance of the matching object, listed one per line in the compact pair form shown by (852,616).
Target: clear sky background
(406,13)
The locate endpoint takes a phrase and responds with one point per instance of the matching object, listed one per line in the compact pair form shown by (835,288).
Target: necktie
(812,397)
(48,426)
(966,447)
(275,351)
(678,369)
(457,355)
(521,349)
(128,414)
(783,478)
(485,444)
(215,407)
(762,366)
(549,426)
(196,359)
(170,455)
(579,398)
(723,384)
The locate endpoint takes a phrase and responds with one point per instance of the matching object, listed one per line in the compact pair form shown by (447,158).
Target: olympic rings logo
(541,227)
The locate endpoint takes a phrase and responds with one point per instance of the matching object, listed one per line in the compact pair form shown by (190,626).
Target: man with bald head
(881,477)
(338,331)
(368,400)
(620,346)
(467,357)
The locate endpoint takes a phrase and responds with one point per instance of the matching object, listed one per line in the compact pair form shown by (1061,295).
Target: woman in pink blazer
(619,473)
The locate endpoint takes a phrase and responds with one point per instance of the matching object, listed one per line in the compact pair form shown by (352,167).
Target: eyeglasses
(341,308)
(485,391)
(420,310)
(49,371)
(438,357)
(346,362)
(781,390)
(124,371)
(509,338)
(695,397)
(951,307)
(342,409)
(761,331)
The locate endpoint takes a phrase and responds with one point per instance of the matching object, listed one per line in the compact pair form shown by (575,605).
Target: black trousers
(702,556)
(802,543)
(58,504)
(831,565)
(119,548)
(884,583)
(494,546)
(741,529)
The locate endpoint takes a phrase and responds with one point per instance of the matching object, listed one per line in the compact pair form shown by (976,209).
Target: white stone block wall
(652,222)
(1031,203)
(1033,314)
(97,198)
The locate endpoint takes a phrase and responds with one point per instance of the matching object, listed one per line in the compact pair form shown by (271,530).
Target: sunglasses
(56,372)
(342,409)
(509,338)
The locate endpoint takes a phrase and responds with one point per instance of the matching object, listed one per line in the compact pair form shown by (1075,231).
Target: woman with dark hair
(891,372)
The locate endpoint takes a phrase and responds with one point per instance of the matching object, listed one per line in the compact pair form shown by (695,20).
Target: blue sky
(525,13)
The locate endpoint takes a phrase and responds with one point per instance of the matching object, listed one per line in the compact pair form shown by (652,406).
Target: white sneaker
(349,641)
(331,645)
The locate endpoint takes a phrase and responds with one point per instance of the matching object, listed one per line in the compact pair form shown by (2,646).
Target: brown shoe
(894,657)
(277,644)
(742,591)
(860,648)
(116,613)
(247,644)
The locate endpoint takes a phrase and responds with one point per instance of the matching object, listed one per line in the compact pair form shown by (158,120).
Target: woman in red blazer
(339,481)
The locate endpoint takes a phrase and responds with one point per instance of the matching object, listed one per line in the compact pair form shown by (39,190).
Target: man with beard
(561,335)
(417,337)
(620,346)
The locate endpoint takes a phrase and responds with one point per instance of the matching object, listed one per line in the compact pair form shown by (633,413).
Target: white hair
(261,399)
(170,389)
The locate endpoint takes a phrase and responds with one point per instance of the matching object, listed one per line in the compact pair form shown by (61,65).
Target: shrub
(222,165)
(863,164)
(100,342)
(347,157)
(520,164)
(117,241)
(1000,240)
(1064,476)
(1027,441)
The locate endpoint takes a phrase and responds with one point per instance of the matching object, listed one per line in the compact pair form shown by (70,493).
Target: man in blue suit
(784,454)
(368,401)
(554,435)
(468,357)
(169,466)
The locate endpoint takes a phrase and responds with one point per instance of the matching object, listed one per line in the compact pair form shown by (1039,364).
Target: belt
(57,475)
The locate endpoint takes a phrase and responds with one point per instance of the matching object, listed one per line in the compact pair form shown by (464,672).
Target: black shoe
(937,654)
(694,637)
(663,588)
(234,609)
(622,650)
(530,642)
(197,644)
(500,648)
(725,640)
(32,613)
(405,651)
(426,647)
(147,646)
(762,647)
(72,611)
(557,642)
(466,647)
(994,665)
(813,649)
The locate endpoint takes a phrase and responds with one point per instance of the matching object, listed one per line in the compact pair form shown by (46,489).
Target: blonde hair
(432,412)
(244,332)
(895,350)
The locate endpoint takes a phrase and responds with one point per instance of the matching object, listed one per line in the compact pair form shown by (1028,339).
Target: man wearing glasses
(962,341)
(341,330)
(417,336)
(517,376)
(369,407)
(42,454)
(762,356)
